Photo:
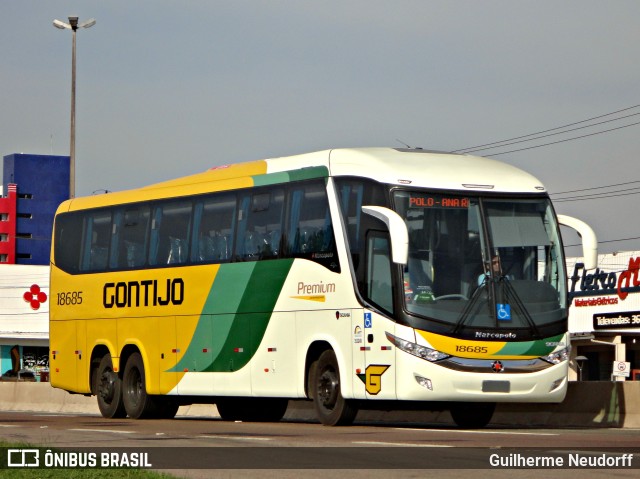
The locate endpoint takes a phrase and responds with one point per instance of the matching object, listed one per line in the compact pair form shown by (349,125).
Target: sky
(169,88)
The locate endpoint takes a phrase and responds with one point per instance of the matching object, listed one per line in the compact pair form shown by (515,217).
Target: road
(367,449)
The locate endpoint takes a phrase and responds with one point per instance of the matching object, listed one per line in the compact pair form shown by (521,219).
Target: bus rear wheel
(164,407)
(331,408)
(472,415)
(108,388)
(137,402)
(252,409)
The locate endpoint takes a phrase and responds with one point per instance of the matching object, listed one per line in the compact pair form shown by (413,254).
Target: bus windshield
(483,264)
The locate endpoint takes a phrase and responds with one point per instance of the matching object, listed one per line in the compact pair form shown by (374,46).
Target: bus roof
(413,167)
(419,168)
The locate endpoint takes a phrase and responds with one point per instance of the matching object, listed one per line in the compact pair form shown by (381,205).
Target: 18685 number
(69,298)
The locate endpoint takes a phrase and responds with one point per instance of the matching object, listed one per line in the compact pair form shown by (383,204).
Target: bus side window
(169,237)
(259,225)
(97,234)
(378,283)
(213,227)
(68,241)
(132,237)
(309,231)
(353,194)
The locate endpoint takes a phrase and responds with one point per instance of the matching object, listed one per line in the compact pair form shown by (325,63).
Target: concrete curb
(588,404)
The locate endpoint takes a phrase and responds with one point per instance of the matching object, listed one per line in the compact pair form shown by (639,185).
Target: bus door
(378,374)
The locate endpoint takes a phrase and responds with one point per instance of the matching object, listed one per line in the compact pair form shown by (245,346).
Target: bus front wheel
(472,415)
(108,389)
(331,408)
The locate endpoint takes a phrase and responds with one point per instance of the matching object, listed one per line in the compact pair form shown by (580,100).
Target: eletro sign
(600,282)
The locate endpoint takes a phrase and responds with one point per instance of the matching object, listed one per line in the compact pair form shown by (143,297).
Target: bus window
(130,237)
(213,229)
(169,237)
(259,225)
(68,238)
(97,233)
(379,289)
(310,229)
(353,195)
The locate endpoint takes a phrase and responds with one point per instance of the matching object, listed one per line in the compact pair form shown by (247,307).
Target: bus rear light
(272,350)
(238,350)
(205,350)
(385,348)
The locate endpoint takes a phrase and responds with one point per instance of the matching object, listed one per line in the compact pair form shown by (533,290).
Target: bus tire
(252,409)
(229,408)
(472,415)
(331,408)
(165,407)
(108,388)
(137,403)
(271,409)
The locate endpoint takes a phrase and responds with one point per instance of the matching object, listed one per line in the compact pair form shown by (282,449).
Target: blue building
(42,184)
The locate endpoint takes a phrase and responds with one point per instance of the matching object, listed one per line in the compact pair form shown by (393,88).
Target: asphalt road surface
(205,447)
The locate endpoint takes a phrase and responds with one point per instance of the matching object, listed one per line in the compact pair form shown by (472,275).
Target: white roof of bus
(415,168)
(420,168)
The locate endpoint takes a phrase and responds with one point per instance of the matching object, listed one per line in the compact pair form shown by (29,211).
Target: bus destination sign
(434,201)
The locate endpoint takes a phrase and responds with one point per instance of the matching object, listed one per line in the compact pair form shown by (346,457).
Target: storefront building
(604,319)
(24,322)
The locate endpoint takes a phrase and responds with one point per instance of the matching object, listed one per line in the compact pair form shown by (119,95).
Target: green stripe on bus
(309,173)
(541,347)
(288,176)
(235,316)
(544,346)
(271,179)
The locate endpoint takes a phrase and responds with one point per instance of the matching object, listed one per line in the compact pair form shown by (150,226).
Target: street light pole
(73,21)
(73,26)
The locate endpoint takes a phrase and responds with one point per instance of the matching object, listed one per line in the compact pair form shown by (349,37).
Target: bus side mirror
(397,231)
(589,240)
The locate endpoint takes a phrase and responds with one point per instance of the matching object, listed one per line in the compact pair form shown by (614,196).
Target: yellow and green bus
(357,278)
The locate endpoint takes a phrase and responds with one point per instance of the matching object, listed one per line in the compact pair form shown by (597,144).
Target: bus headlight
(557,357)
(415,349)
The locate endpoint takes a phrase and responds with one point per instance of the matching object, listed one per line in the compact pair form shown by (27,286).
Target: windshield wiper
(511,295)
(464,315)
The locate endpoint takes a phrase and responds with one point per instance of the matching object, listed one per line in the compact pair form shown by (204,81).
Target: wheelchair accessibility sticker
(503,312)
(367,320)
